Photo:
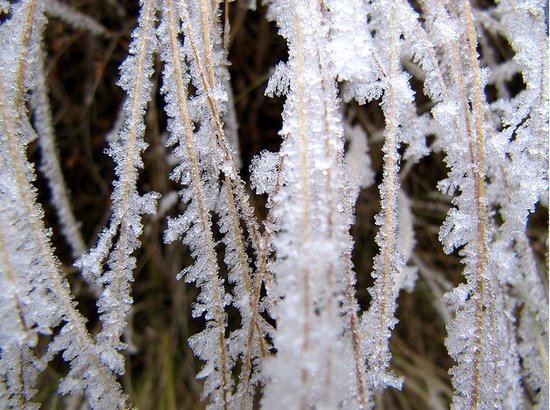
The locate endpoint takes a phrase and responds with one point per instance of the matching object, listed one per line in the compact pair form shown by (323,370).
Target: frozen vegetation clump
(287,317)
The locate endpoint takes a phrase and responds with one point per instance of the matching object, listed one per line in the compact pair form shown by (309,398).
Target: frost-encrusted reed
(296,266)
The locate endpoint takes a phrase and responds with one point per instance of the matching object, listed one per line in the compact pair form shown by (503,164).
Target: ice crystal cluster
(302,340)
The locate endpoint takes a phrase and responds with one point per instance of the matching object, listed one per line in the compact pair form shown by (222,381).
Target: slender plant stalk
(236,182)
(385,289)
(237,200)
(478,166)
(204,216)
(55,280)
(9,273)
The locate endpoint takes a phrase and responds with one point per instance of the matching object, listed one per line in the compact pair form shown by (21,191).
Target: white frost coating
(279,81)
(128,206)
(358,162)
(522,173)
(406,242)
(350,46)
(481,336)
(194,227)
(352,51)
(33,269)
(27,306)
(50,164)
(247,341)
(313,361)
(263,172)
(18,334)
(201,162)
(325,355)
(392,22)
